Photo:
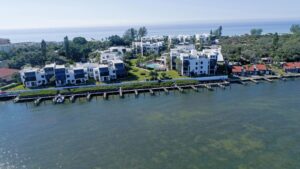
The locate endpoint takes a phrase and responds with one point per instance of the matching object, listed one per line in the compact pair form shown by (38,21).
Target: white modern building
(104,73)
(107,55)
(33,77)
(194,64)
(61,75)
(148,47)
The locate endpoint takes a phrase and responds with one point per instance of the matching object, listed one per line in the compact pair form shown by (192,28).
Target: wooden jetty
(243,83)
(253,80)
(38,101)
(208,87)
(221,86)
(151,91)
(267,79)
(179,88)
(193,87)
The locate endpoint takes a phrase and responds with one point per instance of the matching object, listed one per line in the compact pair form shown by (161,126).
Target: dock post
(136,92)
(193,87)
(151,91)
(105,95)
(221,86)
(166,90)
(179,88)
(89,97)
(121,92)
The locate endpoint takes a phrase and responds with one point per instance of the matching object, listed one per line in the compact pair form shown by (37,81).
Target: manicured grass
(19,87)
(38,93)
(135,73)
(173,74)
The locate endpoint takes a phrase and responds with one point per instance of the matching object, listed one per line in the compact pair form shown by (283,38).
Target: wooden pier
(179,88)
(38,101)
(253,80)
(267,79)
(151,91)
(221,86)
(193,87)
(89,95)
(208,87)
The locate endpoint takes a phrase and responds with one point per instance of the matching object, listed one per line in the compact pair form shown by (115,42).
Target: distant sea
(98,33)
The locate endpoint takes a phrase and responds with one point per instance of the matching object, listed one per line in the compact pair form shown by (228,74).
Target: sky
(23,14)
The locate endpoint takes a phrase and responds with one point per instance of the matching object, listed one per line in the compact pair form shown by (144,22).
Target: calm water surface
(230,29)
(245,127)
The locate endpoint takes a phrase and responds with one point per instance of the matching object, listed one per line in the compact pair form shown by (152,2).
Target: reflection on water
(244,127)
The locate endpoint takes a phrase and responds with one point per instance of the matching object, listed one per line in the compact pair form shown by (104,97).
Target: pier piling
(194,87)
(151,91)
(121,92)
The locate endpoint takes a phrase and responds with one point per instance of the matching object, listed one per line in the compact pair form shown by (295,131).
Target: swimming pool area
(155,66)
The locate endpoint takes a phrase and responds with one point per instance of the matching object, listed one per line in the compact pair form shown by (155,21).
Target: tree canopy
(256,32)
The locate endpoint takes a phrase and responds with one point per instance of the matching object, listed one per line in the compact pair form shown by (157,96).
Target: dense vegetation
(253,47)
(68,51)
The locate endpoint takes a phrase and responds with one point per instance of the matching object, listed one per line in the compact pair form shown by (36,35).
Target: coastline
(231,28)
(71,93)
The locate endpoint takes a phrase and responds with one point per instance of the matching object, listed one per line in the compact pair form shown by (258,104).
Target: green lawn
(172,74)
(19,87)
(136,73)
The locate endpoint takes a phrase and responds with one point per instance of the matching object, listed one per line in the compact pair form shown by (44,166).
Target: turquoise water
(243,127)
(153,65)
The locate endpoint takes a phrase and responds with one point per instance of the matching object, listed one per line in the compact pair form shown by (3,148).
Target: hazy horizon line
(182,23)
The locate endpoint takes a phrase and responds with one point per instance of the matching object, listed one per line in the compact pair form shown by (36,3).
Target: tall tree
(295,29)
(275,42)
(142,32)
(79,41)
(220,29)
(256,32)
(44,49)
(130,35)
(67,47)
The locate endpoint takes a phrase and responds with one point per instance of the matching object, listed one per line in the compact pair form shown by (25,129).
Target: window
(196,68)
(201,67)
(196,63)
(201,63)
(68,76)
(43,76)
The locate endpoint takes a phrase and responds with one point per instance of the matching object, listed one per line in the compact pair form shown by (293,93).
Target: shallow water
(243,127)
